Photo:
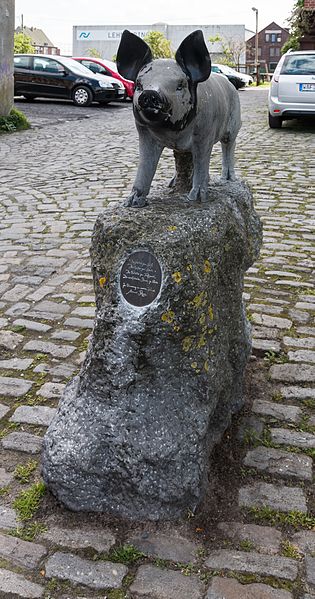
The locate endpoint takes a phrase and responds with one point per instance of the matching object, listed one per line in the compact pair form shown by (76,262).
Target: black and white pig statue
(178,105)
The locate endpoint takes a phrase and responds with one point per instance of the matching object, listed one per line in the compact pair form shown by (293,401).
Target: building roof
(38,37)
(273,26)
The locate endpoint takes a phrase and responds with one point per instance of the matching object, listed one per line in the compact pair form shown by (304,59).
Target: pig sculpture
(179,106)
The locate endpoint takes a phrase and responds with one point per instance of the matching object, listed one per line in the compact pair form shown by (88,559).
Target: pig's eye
(180,86)
(139,87)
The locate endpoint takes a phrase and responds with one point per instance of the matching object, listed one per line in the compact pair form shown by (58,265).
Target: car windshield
(75,66)
(111,65)
(299,64)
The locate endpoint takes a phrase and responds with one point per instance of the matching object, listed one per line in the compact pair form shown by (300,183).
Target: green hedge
(14,122)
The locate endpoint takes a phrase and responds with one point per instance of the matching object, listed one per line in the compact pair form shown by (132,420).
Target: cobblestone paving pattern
(259,542)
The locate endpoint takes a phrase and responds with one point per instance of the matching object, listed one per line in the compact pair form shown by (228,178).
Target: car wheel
(275,122)
(29,97)
(82,96)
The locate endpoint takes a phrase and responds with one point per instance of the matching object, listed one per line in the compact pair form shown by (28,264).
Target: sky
(57,17)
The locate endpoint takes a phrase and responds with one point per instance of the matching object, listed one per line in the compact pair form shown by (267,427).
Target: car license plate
(307,87)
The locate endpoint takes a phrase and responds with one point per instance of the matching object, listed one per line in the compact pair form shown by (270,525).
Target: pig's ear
(133,53)
(193,57)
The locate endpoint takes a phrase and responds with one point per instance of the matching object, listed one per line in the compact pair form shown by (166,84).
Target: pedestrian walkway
(254,538)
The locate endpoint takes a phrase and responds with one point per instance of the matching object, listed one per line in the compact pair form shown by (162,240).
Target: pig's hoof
(198,194)
(136,201)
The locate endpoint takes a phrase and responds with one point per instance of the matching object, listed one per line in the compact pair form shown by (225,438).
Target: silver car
(292,89)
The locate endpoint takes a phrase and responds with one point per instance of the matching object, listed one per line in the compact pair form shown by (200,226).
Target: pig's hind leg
(228,173)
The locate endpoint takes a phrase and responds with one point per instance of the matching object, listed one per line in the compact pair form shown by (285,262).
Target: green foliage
(126,554)
(27,502)
(23,473)
(14,122)
(28,532)
(23,44)
(290,550)
(94,53)
(295,519)
(301,22)
(272,357)
(246,545)
(231,49)
(160,46)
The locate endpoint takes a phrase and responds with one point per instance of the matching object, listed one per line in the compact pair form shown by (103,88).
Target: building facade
(40,41)
(105,38)
(270,42)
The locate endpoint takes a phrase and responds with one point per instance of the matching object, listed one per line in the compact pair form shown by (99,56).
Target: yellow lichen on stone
(206,266)
(102,281)
(171,228)
(177,277)
(210,312)
(206,366)
(194,365)
(168,316)
(202,319)
(189,267)
(201,342)
(187,343)
(176,328)
(199,300)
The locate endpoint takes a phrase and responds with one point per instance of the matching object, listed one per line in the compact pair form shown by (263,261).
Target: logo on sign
(84,34)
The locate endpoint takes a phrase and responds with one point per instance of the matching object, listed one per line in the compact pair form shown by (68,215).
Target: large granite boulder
(164,369)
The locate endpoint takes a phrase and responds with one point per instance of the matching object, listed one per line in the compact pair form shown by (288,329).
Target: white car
(292,89)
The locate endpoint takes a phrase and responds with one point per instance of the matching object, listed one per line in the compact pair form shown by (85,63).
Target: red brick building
(270,42)
(40,41)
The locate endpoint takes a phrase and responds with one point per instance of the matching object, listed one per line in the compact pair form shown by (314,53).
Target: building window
(267,37)
(273,37)
(259,51)
(277,51)
(279,38)
(272,66)
(271,51)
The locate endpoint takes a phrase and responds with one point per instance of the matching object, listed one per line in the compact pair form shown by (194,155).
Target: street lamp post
(257,63)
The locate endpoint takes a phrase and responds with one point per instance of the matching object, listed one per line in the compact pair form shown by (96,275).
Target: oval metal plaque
(140,278)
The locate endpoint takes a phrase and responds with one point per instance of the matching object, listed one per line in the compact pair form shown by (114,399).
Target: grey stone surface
(276,410)
(12,584)
(32,325)
(96,575)
(171,547)
(293,392)
(310,569)
(253,563)
(25,442)
(3,410)
(293,373)
(305,540)
(264,538)
(284,499)
(5,478)
(7,517)
(229,588)
(302,342)
(16,364)
(283,463)
(10,340)
(99,538)
(45,347)
(21,553)
(41,415)
(14,387)
(154,583)
(271,321)
(284,436)
(302,355)
(175,421)
(51,390)
(260,346)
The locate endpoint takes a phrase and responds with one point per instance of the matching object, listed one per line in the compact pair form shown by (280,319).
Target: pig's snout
(153,105)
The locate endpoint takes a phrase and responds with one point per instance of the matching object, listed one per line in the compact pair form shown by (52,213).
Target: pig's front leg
(149,153)
(201,160)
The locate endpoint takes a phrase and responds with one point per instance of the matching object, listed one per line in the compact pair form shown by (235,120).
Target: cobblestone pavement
(257,538)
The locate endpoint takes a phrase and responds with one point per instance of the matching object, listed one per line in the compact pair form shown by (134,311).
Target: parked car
(233,76)
(292,89)
(106,67)
(38,75)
